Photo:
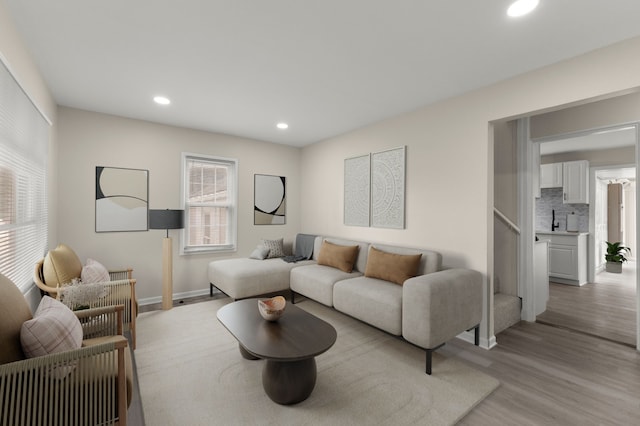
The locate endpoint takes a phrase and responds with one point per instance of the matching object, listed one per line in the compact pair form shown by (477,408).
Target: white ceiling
(325,67)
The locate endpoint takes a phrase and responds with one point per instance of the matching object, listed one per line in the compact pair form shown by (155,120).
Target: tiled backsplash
(551,199)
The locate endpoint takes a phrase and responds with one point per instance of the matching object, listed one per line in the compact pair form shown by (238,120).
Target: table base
(289,382)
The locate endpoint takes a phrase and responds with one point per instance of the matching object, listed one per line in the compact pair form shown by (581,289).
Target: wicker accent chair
(62,265)
(88,385)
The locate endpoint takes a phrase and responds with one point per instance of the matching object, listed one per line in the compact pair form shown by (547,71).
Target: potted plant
(616,256)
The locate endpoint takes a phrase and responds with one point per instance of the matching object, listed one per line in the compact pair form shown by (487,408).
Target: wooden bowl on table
(272,309)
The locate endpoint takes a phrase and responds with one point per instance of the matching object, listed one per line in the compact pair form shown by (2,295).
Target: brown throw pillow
(393,267)
(337,256)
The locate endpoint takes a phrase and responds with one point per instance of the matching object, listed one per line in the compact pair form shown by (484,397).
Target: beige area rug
(191,373)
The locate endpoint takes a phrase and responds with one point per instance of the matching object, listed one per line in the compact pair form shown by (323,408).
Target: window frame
(232,196)
(24,148)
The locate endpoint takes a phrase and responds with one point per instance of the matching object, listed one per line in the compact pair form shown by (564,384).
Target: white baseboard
(176,296)
(490,343)
(469,336)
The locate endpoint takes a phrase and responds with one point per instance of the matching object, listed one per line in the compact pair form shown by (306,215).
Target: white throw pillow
(54,328)
(94,272)
(276,247)
(259,253)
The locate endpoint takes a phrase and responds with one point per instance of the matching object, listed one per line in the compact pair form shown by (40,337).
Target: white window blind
(210,203)
(24,139)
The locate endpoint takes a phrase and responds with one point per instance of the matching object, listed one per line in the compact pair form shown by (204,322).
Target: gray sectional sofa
(426,310)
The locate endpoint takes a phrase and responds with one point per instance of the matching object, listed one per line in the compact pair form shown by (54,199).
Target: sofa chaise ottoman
(244,277)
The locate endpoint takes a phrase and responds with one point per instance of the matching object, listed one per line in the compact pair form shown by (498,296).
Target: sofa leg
(428,362)
(429,353)
(293,297)
(476,339)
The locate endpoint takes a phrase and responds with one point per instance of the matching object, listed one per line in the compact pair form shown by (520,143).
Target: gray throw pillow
(276,247)
(259,253)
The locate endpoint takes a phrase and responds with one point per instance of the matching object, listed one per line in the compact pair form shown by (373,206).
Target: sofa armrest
(437,307)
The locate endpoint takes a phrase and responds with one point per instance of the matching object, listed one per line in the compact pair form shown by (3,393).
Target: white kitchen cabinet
(567,257)
(575,182)
(551,175)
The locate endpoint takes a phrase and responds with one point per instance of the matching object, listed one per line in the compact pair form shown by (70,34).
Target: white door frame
(526,204)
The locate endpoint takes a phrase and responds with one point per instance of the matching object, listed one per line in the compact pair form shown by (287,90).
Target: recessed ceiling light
(521,7)
(161,100)
(282,126)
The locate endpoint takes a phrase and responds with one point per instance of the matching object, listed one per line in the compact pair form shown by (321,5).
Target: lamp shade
(166,219)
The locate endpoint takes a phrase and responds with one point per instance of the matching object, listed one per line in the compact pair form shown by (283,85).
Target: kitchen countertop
(561,233)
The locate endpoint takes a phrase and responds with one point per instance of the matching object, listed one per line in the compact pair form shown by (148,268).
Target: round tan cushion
(61,265)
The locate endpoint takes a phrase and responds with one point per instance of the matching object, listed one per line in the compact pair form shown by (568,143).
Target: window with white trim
(210,203)
(24,139)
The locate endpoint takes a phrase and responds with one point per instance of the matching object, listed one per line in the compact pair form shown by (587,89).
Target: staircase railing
(507,221)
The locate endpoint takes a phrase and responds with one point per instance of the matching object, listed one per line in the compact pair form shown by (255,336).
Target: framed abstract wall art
(357,181)
(388,188)
(122,199)
(374,189)
(270,200)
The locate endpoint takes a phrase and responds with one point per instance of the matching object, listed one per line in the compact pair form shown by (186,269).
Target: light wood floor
(553,376)
(606,308)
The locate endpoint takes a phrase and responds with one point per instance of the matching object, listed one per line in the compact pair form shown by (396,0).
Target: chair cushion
(338,256)
(61,266)
(14,311)
(94,272)
(54,328)
(393,267)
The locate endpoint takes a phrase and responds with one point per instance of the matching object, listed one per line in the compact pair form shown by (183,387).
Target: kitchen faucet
(554,225)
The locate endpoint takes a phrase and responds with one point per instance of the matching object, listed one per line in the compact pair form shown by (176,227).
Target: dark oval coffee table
(288,345)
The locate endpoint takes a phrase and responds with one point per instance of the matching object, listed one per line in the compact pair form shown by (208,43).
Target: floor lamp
(166,219)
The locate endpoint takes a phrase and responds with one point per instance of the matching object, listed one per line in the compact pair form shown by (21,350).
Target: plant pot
(615,267)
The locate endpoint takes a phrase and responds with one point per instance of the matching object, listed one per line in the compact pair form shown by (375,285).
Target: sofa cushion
(54,328)
(61,266)
(361,260)
(94,272)
(338,256)
(276,247)
(259,253)
(316,281)
(393,267)
(376,302)
(431,261)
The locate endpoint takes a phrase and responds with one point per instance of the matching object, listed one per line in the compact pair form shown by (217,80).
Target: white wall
(606,112)
(596,158)
(450,160)
(89,139)
(17,58)
(505,240)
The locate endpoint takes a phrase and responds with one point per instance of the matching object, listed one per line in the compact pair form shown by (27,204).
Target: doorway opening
(603,304)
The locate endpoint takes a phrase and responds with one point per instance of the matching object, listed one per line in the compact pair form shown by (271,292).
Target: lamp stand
(167,274)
